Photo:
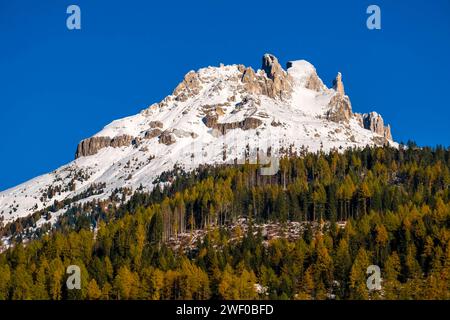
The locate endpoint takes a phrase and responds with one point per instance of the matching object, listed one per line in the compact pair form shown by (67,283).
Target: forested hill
(376,206)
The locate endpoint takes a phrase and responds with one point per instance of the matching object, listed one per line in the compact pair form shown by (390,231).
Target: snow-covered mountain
(215,115)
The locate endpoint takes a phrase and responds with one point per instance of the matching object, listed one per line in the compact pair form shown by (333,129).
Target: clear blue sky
(59,86)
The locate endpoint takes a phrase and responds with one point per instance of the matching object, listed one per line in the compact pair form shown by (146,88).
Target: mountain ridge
(211,117)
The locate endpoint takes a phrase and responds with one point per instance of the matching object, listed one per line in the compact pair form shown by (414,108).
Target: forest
(372,206)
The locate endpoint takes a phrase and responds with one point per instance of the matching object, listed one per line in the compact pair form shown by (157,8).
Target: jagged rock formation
(152,133)
(211,118)
(338,85)
(91,146)
(167,138)
(156,124)
(190,86)
(246,124)
(340,108)
(271,81)
(374,122)
(280,84)
(252,83)
(314,83)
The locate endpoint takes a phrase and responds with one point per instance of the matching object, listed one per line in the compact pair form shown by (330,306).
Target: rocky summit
(214,116)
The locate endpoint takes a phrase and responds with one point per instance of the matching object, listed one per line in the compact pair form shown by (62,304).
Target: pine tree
(358,277)
(5,279)
(126,284)
(93,291)
(21,284)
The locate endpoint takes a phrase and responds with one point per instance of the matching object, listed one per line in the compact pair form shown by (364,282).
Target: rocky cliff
(215,115)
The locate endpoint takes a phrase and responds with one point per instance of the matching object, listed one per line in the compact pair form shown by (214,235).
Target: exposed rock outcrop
(279,83)
(121,141)
(210,120)
(152,133)
(374,122)
(340,108)
(251,82)
(271,81)
(338,85)
(248,123)
(189,87)
(167,138)
(217,109)
(314,83)
(387,132)
(91,146)
(156,124)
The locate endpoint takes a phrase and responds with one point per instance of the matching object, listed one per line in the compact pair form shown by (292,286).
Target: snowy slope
(298,120)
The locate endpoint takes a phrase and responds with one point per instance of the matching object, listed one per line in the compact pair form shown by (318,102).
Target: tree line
(394,203)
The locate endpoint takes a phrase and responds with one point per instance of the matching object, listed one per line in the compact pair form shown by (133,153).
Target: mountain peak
(271,66)
(212,117)
(338,85)
(305,75)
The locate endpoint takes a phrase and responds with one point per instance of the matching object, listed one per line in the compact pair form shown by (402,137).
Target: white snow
(300,121)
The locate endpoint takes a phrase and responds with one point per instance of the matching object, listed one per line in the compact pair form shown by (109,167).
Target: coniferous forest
(374,206)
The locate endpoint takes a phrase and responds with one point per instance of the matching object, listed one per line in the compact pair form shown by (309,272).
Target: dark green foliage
(373,206)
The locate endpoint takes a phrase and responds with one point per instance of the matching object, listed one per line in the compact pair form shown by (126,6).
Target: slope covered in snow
(215,115)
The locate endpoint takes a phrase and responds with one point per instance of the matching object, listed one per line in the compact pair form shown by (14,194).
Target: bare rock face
(272,81)
(246,124)
(387,132)
(189,87)
(359,119)
(223,128)
(121,141)
(92,145)
(279,83)
(340,109)
(152,133)
(210,120)
(374,122)
(314,83)
(271,66)
(250,123)
(251,82)
(156,124)
(213,112)
(167,138)
(338,85)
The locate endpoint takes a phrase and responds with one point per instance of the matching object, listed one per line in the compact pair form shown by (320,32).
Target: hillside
(216,115)
(307,232)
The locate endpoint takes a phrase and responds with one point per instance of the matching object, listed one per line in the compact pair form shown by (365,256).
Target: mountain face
(215,115)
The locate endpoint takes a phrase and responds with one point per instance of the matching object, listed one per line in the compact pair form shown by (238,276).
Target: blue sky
(59,86)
